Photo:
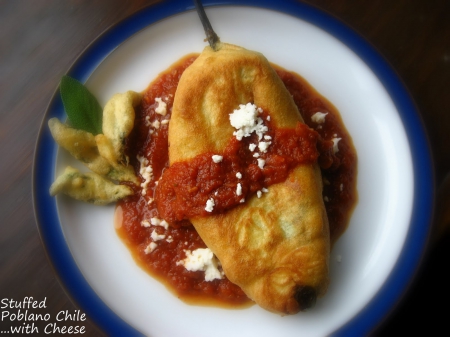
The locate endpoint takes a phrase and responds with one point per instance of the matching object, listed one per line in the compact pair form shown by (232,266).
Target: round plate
(379,252)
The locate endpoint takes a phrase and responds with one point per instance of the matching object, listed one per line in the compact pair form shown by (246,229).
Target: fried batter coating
(89,187)
(103,154)
(81,145)
(118,121)
(276,248)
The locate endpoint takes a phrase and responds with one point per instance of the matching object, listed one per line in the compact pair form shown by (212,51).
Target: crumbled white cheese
(202,259)
(268,118)
(165,121)
(319,117)
(162,106)
(158,222)
(156,237)
(150,248)
(145,223)
(155,222)
(260,192)
(216,158)
(239,175)
(252,147)
(169,239)
(210,205)
(335,144)
(261,163)
(239,189)
(242,200)
(164,224)
(263,146)
(256,155)
(150,201)
(245,116)
(156,124)
(146,171)
(266,137)
(246,121)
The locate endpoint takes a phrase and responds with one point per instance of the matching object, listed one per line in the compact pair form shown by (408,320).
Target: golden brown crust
(272,245)
(269,246)
(212,87)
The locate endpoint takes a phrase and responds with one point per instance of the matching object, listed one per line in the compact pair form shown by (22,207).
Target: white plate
(385,239)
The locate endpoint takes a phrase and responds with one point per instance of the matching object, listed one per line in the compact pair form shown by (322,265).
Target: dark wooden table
(40,39)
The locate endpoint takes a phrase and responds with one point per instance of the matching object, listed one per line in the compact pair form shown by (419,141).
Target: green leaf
(81,106)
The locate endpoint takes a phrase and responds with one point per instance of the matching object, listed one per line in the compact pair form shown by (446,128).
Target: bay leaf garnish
(82,108)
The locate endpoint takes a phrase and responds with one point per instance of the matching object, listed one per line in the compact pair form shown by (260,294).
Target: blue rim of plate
(45,155)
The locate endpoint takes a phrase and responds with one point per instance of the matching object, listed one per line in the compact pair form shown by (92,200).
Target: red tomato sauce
(159,255)
(179,197)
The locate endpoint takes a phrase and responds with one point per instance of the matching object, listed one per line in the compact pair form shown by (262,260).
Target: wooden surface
(40,39)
